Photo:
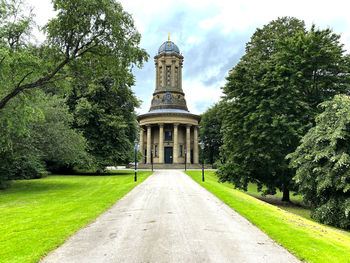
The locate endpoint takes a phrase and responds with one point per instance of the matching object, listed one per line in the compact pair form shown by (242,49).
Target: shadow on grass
(95,174)
(30,186)
(275,200)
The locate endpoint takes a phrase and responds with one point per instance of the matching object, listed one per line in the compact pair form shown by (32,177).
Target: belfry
(168,131)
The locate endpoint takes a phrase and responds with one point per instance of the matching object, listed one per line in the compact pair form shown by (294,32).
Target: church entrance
(168,154)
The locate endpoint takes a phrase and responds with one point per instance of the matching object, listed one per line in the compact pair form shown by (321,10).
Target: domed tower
(169,132)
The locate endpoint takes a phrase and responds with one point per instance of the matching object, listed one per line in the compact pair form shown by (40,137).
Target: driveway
(170,218)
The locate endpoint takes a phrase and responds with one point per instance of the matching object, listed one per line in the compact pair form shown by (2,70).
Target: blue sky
(211,36)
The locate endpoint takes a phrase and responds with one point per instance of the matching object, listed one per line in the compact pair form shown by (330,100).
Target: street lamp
(136,144)
(201,144)
(185,158)
(152,159)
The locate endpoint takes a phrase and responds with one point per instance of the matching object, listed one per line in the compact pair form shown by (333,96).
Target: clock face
(168,96)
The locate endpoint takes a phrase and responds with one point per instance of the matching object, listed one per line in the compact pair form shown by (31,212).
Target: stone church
(168,131)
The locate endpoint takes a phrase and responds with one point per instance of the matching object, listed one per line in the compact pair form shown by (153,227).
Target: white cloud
(196,24)
(199,97)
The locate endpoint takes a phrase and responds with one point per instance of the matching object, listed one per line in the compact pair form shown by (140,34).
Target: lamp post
(185,158)
(201,144)
(152,159)
(136,143)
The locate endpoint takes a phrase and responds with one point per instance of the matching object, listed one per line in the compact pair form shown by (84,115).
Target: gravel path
(170,218)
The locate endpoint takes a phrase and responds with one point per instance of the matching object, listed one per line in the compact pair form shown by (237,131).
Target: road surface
(169,218)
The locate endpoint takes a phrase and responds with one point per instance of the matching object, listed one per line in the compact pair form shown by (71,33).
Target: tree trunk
(285,197)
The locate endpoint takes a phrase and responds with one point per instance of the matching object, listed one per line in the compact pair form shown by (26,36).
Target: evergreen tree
(322,164)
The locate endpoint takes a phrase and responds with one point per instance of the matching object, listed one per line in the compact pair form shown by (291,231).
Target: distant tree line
(67,103)
(283,122)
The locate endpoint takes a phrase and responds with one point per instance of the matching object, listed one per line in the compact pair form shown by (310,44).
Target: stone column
(161,143)
(148,144)
(195,144)
(188,143)
(176,147)
(141,140)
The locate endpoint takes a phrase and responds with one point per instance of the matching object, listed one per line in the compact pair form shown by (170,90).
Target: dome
(168,47)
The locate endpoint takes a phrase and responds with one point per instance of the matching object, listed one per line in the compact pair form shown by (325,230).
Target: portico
(170,143)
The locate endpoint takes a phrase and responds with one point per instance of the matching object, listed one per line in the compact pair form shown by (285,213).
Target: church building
(168,131)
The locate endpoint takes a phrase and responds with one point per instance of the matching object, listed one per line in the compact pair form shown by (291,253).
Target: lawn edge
(244,216)
(294,253)
(94,219)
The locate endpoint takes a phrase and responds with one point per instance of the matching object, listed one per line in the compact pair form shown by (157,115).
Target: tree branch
(39,82)
(2,60)
(25,76)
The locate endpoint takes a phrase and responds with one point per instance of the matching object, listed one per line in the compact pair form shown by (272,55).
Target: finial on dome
(168,36)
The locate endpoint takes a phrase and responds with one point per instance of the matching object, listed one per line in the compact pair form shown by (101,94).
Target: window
(155,150)
(181,150)
(160,76)
(176,76)
(168,135)
(168,75)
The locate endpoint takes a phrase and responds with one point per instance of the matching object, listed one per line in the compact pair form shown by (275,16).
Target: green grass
(296,206)
(39,215)
(308,240)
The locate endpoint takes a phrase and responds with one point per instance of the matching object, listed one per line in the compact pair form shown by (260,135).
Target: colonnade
(175,143)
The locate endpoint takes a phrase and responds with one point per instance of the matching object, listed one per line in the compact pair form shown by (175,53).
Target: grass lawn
(308,240)
(297,206)
(39,215)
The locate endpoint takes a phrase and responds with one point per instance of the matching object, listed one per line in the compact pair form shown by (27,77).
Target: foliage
(272,95)
(89,43)
(322,164)
(82,27)
(61,146)
(307,240)
(48,142)
(210,132)
(104,111)
(39,215)
(103,106)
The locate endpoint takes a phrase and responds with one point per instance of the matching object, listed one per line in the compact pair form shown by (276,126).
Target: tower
(168,92)
(168,131)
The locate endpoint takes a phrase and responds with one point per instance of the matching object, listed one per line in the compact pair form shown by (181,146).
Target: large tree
(272,94)
(322,164)
(81,27)
(90,43)
(104,105)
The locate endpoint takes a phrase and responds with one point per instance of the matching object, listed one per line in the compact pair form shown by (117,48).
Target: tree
(322,164)
(272,95)
(210,132)
(48,143)
(104,111)
(81,27)
(98,36)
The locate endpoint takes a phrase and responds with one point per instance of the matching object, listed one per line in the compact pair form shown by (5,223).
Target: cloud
(208,55)
(212,36)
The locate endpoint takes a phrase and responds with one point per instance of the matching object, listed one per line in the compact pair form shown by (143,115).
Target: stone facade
(168,132)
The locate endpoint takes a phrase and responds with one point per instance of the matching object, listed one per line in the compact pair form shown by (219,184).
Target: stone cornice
(173,114)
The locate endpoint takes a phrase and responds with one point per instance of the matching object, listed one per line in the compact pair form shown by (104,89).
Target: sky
(211,34)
